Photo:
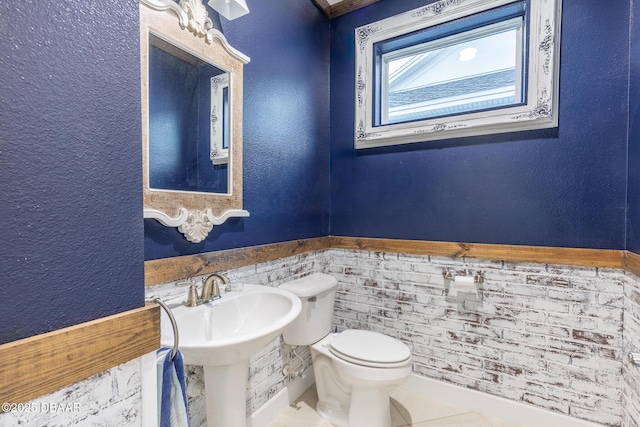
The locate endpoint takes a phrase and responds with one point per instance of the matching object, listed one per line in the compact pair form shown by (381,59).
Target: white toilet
(354,370)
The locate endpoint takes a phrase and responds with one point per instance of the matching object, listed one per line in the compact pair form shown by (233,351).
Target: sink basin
(221,335)
(231,328)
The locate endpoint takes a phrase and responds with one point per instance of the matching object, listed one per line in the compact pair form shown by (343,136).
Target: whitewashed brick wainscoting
(550,336)
(546,335)
(112,398)
(631,343)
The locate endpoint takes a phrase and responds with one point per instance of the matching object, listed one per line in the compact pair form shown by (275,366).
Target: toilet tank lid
(311,285)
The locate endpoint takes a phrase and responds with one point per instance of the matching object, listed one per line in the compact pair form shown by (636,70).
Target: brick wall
(550,336)
(110,398)
(545,335)
(631,343)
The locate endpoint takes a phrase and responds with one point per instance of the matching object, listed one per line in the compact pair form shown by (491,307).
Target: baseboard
(493,406)
(149,389)
(281,400)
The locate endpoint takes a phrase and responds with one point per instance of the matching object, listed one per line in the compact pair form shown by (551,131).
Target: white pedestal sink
(221,335)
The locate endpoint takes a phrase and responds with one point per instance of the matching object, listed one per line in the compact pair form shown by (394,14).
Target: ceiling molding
(324,6)
(342,7)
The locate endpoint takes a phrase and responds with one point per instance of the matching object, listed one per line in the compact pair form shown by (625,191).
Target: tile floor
(407,409)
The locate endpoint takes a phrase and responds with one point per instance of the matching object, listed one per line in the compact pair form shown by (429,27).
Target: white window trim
(540,111)
(218,154)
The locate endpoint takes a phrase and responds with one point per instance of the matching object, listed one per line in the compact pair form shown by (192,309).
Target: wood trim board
(324,6)
(182,267)
(632,263)
(38,365)
(170,269)
(341,8)
(515,253)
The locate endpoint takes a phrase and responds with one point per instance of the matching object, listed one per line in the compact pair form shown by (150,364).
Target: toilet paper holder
(451,275)
(464,290)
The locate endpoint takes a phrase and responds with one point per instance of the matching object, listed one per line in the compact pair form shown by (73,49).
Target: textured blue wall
(70,169)
(564,187)
(633,187)
(286,132)
(71,240)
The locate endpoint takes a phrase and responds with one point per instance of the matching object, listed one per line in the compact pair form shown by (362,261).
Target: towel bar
(174,325)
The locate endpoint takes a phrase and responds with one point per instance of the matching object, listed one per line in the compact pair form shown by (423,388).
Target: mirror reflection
(188,121)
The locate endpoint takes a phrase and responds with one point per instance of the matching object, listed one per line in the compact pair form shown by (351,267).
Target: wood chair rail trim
(38,365)
(178,268)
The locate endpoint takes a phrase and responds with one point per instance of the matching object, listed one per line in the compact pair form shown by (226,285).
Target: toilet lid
(369,348)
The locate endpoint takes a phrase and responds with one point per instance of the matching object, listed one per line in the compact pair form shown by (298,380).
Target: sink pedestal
(226,394)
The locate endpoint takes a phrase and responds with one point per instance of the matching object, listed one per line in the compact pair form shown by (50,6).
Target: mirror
(186,114)
(191,117)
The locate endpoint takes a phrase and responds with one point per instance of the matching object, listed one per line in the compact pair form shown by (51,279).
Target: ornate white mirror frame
(187,26)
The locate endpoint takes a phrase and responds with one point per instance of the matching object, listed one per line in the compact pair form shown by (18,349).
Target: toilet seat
(369,348)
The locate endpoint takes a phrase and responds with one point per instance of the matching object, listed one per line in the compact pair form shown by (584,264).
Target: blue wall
(633,187)
(286,132)
(71,240)
(70,156)
(564,187)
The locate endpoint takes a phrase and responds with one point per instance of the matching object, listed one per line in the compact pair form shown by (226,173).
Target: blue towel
(172,390)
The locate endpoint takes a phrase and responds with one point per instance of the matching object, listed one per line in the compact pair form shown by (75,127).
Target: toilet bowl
(354,390)
(355,369)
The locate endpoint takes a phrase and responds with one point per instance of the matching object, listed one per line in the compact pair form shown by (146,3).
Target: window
(457,68)
(219,146)
(472,70)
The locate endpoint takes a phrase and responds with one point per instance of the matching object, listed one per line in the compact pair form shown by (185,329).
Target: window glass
(470,71)
(225,117)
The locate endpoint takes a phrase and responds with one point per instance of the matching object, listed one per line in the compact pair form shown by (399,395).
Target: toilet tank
(317,293)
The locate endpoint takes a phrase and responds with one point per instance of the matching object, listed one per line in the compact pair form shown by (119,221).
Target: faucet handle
(192,293)
(184,283)
(192,296)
